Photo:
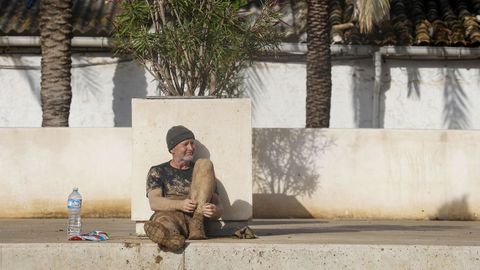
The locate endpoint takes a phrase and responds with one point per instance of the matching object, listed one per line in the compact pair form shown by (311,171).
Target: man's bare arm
(160,203)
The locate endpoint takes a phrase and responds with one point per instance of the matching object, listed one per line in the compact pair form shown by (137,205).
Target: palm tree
(55,36)
(319,83)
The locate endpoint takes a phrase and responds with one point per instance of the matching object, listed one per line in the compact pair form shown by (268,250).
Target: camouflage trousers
(170,228)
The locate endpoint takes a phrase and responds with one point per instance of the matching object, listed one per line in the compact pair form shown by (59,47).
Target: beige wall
(223,131)
(355,173)
(350,173)
(40,166)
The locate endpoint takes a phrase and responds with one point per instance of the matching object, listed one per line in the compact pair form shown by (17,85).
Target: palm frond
(371,12)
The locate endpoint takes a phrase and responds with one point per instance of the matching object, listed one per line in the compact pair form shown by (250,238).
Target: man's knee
(204,164)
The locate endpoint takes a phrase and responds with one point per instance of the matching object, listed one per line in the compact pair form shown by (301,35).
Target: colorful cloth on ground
(91,236)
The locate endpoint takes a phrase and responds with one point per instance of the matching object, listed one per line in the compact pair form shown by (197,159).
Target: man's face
(183,152)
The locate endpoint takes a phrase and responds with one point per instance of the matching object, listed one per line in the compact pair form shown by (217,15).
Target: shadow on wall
(414,78)
(454,210)
(386,84)
(238,206)
(284,166)
(456,111)
(362,82)
(201,151)
(31,75)
(255,85)
(129,81)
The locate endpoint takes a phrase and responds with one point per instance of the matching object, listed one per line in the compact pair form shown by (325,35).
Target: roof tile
(90,17)
(413,22)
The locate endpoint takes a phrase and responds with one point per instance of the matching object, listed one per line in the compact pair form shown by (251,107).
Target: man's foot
(159,234)
(155,231)
(173,243)
(196,228)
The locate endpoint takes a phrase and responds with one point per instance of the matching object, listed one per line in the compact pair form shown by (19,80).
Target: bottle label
(74,203)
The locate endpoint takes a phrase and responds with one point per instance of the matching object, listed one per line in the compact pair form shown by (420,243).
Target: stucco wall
(431,95)
(366,173)
(334,173)
(417,94)
(40,166)
(102,86)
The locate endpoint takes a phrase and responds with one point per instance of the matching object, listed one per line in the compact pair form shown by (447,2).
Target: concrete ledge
(237,256)
(87,256)
(330,256)
(282,244)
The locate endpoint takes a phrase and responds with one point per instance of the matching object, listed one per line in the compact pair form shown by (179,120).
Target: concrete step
(237,256)
(282,244)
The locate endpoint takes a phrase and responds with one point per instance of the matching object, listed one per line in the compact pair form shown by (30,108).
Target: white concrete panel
(102,88)
(40,166)
(20,91)
(223,130)
(277,91)
(431,95)
(415,94)
(352,99)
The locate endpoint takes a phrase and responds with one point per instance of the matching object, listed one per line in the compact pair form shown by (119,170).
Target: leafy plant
(195,47)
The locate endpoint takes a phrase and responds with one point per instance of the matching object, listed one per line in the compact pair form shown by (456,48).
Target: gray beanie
(177,134)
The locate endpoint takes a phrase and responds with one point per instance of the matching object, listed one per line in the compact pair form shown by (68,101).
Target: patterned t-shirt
(174,183)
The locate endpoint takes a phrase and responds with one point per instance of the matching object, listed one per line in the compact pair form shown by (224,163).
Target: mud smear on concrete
(130,244)
(456,209)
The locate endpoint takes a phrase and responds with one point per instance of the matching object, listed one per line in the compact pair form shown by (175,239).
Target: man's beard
(185,158)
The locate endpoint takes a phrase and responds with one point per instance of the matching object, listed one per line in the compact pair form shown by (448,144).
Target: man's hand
(209,210)
(188,206)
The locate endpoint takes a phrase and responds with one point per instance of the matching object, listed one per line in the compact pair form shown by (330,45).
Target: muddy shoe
(173,243)
(158,234)
(196,229)
(155,231)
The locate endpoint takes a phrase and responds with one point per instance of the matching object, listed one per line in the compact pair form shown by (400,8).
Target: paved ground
(285,231)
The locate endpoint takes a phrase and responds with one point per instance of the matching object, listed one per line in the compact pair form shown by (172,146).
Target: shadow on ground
(268,205)
(350,229)
(287,221)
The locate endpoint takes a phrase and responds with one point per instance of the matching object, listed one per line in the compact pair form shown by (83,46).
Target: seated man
(181,193)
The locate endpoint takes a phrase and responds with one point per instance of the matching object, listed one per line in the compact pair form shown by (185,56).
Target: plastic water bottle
(74,206)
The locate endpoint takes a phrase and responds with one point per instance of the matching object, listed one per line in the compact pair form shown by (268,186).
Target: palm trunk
(56,32)
(319,83)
